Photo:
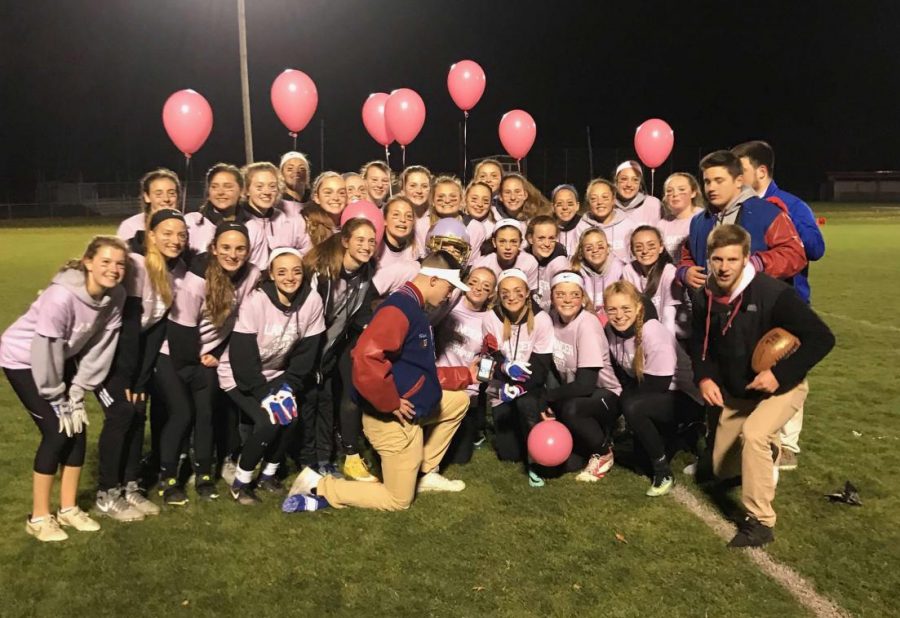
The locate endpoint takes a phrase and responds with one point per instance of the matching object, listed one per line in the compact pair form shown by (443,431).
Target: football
(774,346)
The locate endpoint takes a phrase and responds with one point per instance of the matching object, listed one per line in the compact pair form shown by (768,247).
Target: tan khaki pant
(404,451)
(790,433)
(744,438)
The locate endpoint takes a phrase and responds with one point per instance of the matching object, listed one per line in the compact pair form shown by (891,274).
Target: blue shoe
(327,468)
(304,502)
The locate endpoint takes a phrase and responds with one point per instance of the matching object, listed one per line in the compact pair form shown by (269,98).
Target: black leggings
(590,419)
(186,401)
(513,421)
(267,440)
(462,446)
(350,414)
(55,448)
(121,438)
(653,417)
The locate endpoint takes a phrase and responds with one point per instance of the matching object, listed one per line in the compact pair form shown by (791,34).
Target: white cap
(451,275)
(567,276)
(507,223)
(283,251)
(516,273)
(292,155)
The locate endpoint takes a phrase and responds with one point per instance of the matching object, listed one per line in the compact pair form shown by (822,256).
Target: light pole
(245,82)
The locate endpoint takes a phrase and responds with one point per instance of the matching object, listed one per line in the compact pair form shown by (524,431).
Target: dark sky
(84,82)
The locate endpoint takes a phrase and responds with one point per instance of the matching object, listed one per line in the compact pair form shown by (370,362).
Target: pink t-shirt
(525,262)
(391,277)
(276,332)
(466,324)
(131,226)
(279,230)
(422,225)
(545,275)
(595,283)
(477,235)
(658,344)
(200,231)
(137,284)
(674,231)
(387,256)
(668,292)
(62,311)
(582,343)
(618,233)
(189,309)
(521,343)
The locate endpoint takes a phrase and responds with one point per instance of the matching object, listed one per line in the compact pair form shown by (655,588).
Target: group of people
(263,329)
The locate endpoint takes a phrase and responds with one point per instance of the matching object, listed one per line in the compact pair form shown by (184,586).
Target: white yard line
(838,316)
(785,576)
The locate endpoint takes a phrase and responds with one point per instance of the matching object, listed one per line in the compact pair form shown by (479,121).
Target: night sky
(84,82)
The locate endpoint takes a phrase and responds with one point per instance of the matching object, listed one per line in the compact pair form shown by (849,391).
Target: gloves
(511,391)
(489,345)
(519,371)
(79,415)
(63,412)
(280,406)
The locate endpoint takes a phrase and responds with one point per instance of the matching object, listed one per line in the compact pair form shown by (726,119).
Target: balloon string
(465,145)
(403,156)
(652,180)
(519,165)
(387,159)
(294,135)
(187,166)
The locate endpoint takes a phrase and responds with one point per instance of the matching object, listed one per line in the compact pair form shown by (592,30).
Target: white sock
(270,469)
(66,510)
(36,520)
(244,476)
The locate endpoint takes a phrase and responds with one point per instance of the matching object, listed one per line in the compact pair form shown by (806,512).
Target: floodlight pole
(245,81)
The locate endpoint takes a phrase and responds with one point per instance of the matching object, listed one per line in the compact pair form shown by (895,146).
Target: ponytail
(219,293)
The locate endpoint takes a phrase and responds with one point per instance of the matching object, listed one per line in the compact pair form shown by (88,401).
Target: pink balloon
(549,443)
(653,142)
(517,133)
(466,82)
(365,210)
(295,98)
(405,115)
(188,120)
(373,118)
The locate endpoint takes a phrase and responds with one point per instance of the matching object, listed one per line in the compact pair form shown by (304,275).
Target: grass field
(500,548)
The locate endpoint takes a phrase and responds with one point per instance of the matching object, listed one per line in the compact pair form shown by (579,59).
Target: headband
(567,276)
(231,226)
(629,165)
(292,155)
(507,223)
(283,251)
(515,273)
(161,215)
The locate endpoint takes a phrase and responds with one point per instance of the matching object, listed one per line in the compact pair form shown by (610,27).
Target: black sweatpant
(267,440)
(591,421)
(316,425)
(462,446)
(513,422)
(121,437)
(653,417)
(55,448)
(349,414)
(187,401)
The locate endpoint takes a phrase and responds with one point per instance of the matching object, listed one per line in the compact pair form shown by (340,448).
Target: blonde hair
(445,179)
(157,269)
(626,288)
(327,258)
(97,243)
(577,261)
(251,169)
(696,202)
(317,183)
(535,202)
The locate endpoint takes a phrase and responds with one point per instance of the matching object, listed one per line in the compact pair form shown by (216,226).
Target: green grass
(499,548)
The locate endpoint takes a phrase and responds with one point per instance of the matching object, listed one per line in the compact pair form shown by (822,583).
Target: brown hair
(219,289)
(527,313)
(484,162)
(251,169)
(535,202)
(723,158)
(586,205)
(492,297)
(322,178)
(97,243)
(227,168)
(157,174)
(327,258)
(627,288)
(536,221)
(656,271)
(412,229)
(759,153)
(727,235)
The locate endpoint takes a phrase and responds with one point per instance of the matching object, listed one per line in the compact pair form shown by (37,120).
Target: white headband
(283,251)
(512,272)
(629,165)
(567,276)
(507,223)
(292,155)
(450,275)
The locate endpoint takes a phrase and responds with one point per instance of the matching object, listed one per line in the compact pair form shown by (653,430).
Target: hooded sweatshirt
(642,209)
(548,268)
(202,224)
(271,230)
(65,322)
(618,233)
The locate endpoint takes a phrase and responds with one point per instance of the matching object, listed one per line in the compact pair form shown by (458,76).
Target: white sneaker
(690,469)
(229,471)
(78,519)
(305,482)
(46,530)
(435,481)
(596,468)
(136,499)
(112,504)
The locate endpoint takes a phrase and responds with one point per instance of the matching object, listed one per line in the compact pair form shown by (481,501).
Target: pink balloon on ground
(653,142)
(405,115)
(295,98)
(466,82)
(365,210)
(374,120)
(517,133)
(188,119)
(549,443)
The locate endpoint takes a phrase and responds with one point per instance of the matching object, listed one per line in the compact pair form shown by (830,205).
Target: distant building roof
(871,176)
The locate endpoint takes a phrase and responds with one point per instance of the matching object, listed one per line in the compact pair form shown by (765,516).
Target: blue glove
(286,393)
(511,391)
(519,371)
(274,406)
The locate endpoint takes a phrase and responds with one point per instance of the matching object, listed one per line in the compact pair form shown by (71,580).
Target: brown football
(774,346)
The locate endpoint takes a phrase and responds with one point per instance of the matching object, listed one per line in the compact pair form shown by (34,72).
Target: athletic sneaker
(206,487)
(244,495)
(171,492)
(270,484)
(304,502)
(435,481)
(113,504)
(690,469)
(229,470)
(327,468)
(534,480)
(596,468)
(661,486)
(789,460)
(78,519)
(46,529)
(135,497)
(305,482)
(480,440)
(356,469)
(751,533)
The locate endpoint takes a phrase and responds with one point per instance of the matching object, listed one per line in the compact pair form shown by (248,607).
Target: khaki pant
(790,433)
(744,438)
(404,451)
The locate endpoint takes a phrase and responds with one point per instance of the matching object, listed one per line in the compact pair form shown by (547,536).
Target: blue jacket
(805,221)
